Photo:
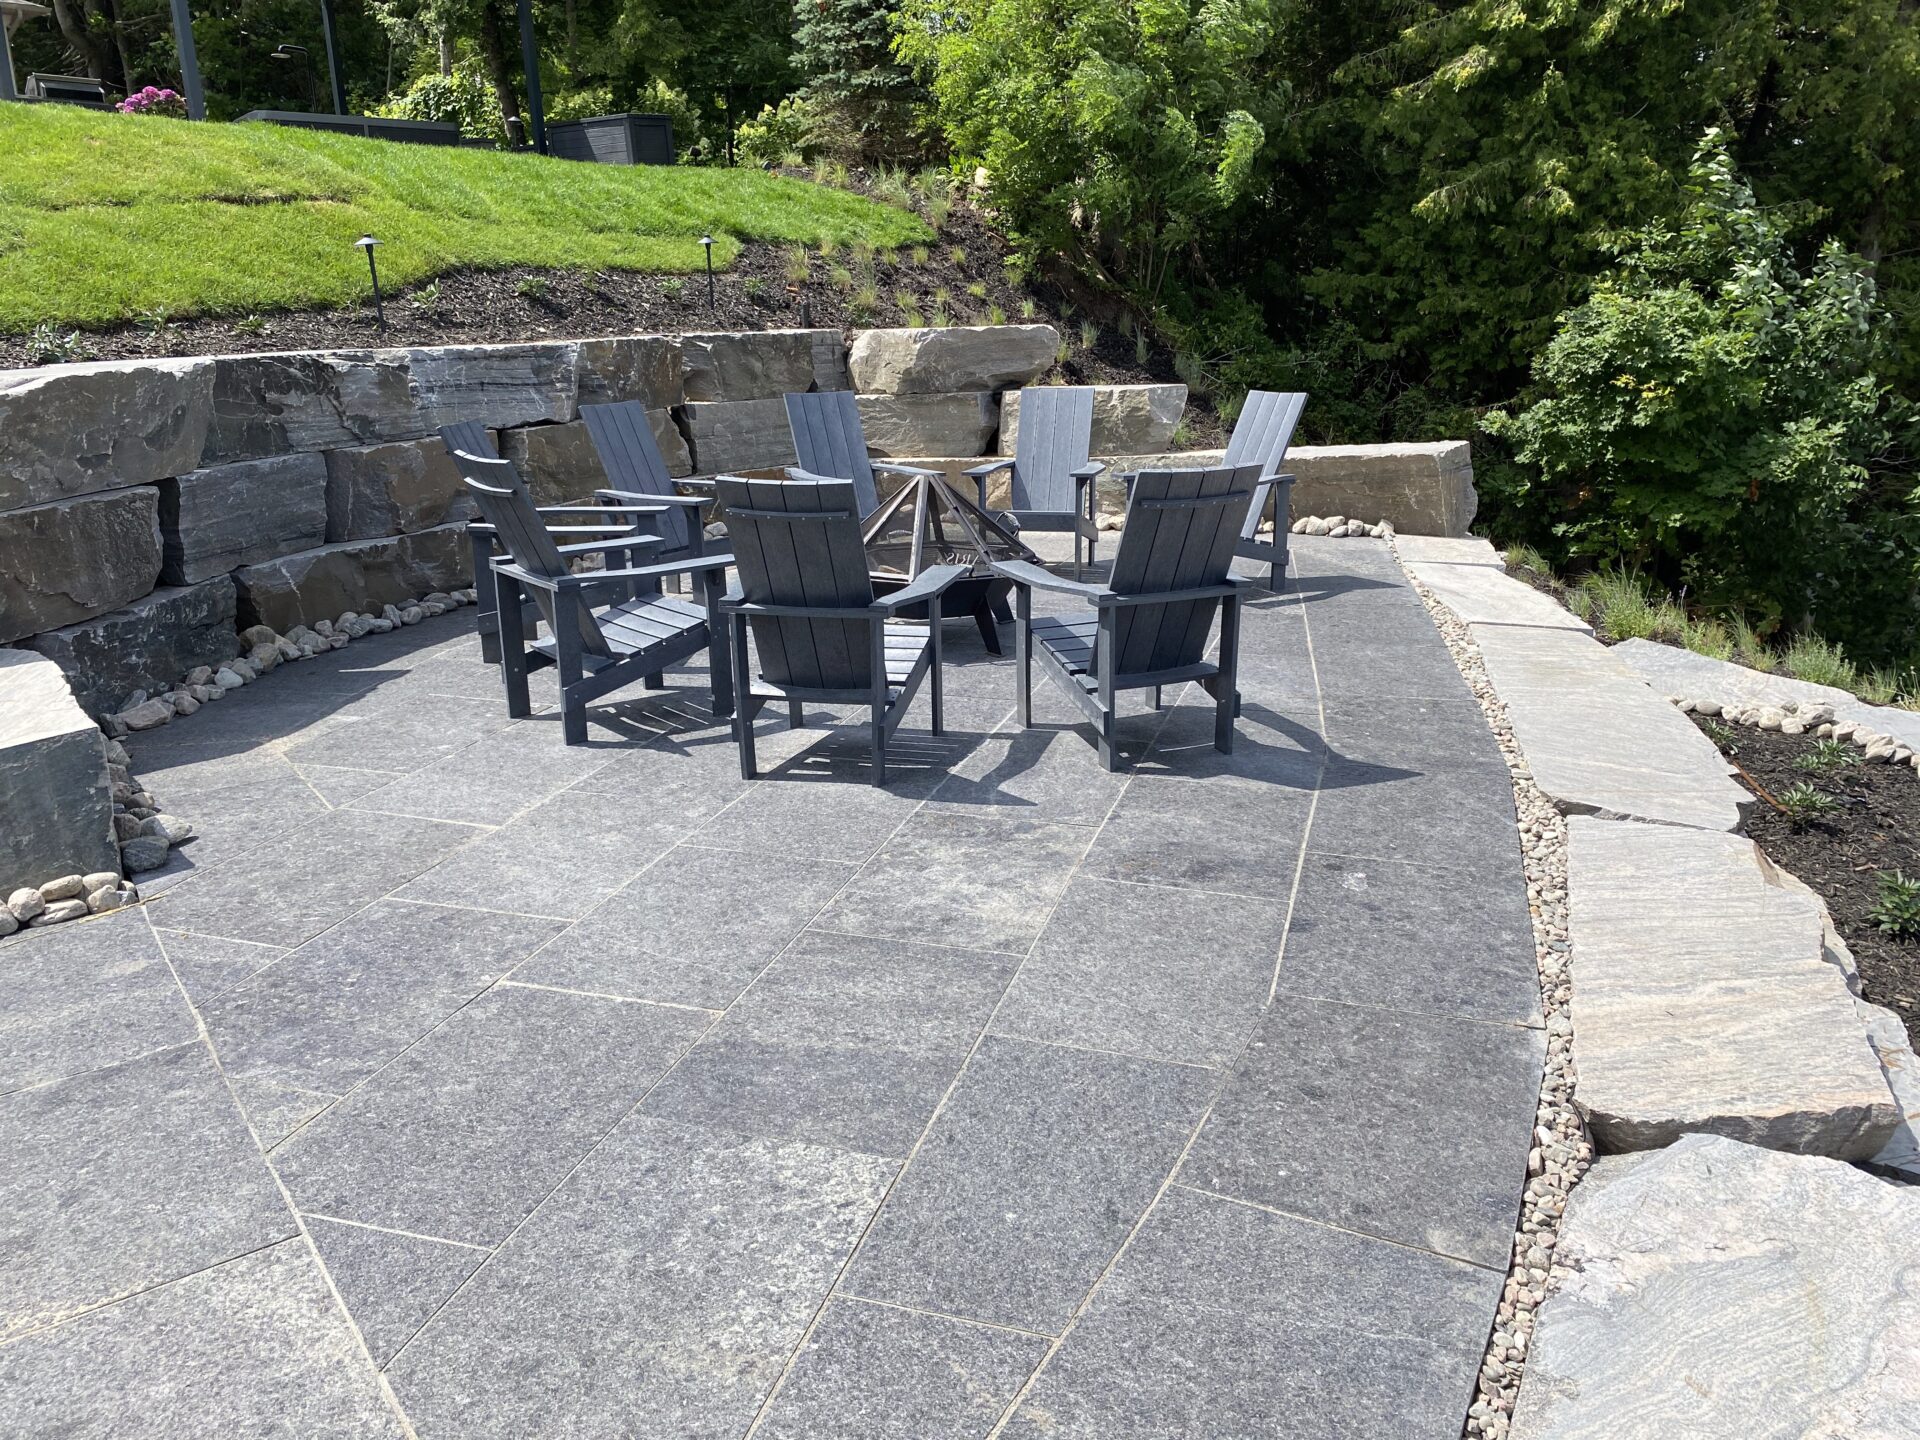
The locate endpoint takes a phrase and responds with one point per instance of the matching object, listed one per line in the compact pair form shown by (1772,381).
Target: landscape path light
(366,243)
(707,240)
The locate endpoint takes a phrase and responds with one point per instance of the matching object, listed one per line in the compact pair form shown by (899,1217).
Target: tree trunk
(493,47)
(73,29)
(124,55)
(446,50)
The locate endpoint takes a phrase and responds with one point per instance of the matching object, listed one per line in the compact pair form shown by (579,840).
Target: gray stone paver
(839,1110)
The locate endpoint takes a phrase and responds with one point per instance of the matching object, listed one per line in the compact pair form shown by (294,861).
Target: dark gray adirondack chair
(637,472)
(596,650)
(829,442)
(609,516)
(1150,622)
(1260,437)
(1052,482)
(819,634)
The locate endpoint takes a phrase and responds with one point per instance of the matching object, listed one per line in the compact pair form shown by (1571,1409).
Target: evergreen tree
(864,98)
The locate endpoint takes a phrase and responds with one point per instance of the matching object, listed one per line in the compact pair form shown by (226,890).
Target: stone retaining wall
(151,509)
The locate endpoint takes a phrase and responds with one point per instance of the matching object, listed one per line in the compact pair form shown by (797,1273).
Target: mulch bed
(1877,827)
(474,307)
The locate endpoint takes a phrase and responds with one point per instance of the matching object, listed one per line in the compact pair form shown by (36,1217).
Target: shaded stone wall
(149,510)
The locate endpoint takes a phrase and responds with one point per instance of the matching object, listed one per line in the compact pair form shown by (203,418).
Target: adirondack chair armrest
(980,472)
(1235,584)
(650,504)
(1025,572)
(697,482)
(912,472)
(715,563)
(932,581)
(1088,471)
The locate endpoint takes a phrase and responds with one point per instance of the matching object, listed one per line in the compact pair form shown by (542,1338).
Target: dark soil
(1875,828)
(755,293)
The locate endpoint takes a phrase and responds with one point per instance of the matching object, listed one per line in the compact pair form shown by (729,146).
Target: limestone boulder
(76,429)
(1424,489)
(278,404)
(392,489)
(631,367)
(962,425)
(495,384)
(358,575)
(54,786)
(73,559)
(225,516)
(761,364)
(957,358)
(1127,419)
(1704,1000)
(147,645)
(1717,1289)
(738,435)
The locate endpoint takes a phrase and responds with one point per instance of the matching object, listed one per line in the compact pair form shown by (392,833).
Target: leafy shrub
(779,129)
(1897,912)
(463,98)
(1712,413)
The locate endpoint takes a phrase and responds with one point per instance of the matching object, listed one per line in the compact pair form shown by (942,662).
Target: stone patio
(457,1083)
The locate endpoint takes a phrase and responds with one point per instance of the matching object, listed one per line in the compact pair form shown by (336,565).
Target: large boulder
(961,357)
(962,424)
(319,584)
(494,384)
(762,364)
(1127,419)
(76,429)
(1715,1289)
(393,489)
(1704,999)
(630,367)
(216,519)
(739,435)
(277,404)
(148,645)
(1423,488)
(74,559)
(54,789)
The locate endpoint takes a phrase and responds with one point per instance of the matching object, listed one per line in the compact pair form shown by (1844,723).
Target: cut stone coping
(1673,671)
(1449,550)
(1716,1289)
(1482,596)
(1703,999)
(1598,740)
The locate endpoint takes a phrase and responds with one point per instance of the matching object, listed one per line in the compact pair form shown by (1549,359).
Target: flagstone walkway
(461,1084)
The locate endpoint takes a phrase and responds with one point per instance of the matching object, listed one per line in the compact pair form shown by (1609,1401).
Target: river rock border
(1805,718)
(1562,1151)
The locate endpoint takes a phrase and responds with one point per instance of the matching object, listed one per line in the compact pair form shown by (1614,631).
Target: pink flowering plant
(154,101)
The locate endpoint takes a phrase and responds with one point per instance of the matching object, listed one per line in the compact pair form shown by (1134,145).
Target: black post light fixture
(366,243)
(707,241)
(287,50)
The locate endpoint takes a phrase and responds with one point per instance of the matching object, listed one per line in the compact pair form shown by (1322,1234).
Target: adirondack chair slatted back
(797,542)
(1260,437)
(623,437)
(507,508)
(1180,532)
(829,442)
(1056,429)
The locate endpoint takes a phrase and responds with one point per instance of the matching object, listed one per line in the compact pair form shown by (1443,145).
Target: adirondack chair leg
(573,709)
(796,715)
(486,610)
(877,648)
(746,703)
(1225,686)
(510,641)
(1023,658)
(1106,647)
(1156,697)
(933,619)
(1077,541)
(719,652)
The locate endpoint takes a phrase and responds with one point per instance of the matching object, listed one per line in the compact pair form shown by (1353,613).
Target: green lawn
(105,217)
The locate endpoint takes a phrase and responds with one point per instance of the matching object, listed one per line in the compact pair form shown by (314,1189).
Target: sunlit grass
(104,217)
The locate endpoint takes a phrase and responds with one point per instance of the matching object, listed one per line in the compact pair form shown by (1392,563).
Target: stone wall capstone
(279,404)
(74,559)
(502,384)
(215,520)
(75,429)
(960,357)
(631,367)
(762,364)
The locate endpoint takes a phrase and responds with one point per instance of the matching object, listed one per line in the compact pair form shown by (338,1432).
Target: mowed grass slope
(107,217)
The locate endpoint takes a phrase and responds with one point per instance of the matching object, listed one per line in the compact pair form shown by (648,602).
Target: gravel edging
(1562,1151)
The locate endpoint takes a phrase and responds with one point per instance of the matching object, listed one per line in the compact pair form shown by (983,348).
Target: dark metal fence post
(189,62)
(338,80)
(530,62)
